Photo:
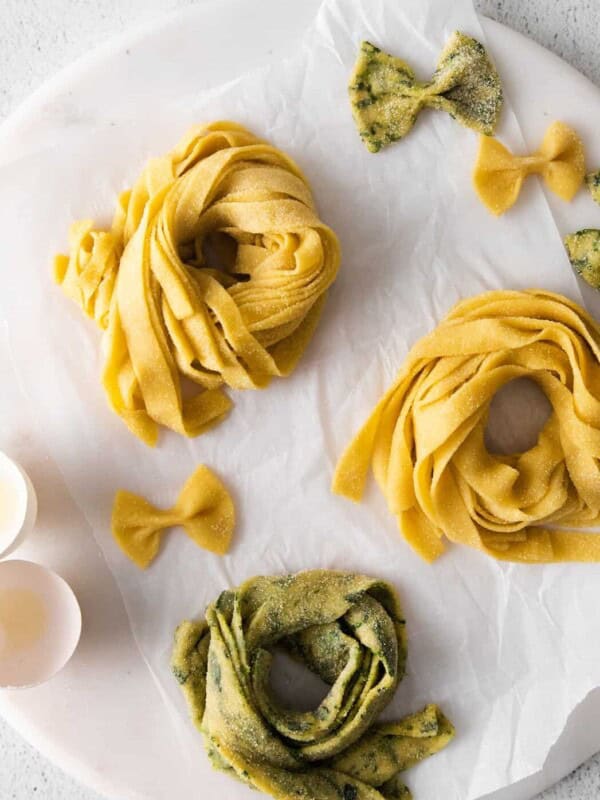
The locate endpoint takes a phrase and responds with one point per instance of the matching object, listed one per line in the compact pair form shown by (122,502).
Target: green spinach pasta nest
(349,630)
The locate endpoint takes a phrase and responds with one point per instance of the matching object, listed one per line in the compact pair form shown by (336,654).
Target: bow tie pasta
(583,247)
(499,175)
(386,97)
(204,509)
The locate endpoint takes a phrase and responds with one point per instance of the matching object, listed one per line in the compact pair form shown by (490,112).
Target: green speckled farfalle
(583,247)
(386,97)
(593,183)
(348,629)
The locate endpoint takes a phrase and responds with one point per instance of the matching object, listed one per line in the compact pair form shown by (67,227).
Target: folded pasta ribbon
(386,98)
(425,440)
(204,509)
(499,175)
(583,247)
(348,629)
(215,270)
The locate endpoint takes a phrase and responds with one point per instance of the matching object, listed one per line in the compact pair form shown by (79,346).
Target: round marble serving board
(102,718)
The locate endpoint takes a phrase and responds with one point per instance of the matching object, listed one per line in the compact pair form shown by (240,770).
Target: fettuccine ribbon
(386,97)
(204,509)
(215,269)
(425,439)
(499,175)
(349,630)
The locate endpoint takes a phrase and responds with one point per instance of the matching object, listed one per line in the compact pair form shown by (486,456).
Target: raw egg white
(18,505)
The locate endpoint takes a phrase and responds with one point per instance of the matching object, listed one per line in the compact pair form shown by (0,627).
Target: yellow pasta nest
(425,438)
(216,269)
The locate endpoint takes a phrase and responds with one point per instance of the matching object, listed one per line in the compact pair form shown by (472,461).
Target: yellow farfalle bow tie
(386,97)
(204,509)
(498,174)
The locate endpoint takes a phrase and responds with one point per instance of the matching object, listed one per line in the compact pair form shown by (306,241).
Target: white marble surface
(37,37)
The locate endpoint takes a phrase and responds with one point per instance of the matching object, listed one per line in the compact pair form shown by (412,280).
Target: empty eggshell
(40,623)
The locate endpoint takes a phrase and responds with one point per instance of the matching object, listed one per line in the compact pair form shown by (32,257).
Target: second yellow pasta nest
(425,438)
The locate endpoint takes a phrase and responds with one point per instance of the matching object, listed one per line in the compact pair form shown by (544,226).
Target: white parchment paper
(505,650)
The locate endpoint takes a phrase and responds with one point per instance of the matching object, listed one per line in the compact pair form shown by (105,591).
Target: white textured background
(38,37)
